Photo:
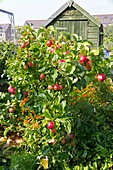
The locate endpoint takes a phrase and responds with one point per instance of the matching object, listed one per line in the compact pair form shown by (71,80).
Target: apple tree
(48,97)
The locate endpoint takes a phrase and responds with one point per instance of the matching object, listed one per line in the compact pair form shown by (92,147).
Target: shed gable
(75,20)
(71,14)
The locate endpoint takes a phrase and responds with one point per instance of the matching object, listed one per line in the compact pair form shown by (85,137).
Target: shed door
(73,27)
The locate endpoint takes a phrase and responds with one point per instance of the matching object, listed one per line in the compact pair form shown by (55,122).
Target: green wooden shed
(75,20)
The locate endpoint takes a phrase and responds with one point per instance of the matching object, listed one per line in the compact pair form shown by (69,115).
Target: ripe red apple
(50,87)
(71,136)
(11,110)
(11,90)
(56,87)
(50,125)
(101,77)
(23,45)
(61,61)
(25,67)
(63,141)
(88,65)
(25,93)
(51,50)
(49,43)
(83,59)
(42,76)
(30,64)
(60,87)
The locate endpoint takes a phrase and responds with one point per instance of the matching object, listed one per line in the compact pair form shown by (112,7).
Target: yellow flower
(35,125)
(26,121)
(44,162)
(38,117)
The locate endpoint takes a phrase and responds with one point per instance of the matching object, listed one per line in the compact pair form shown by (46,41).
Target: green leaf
(63,103)
(83,83)
(70,69)
(42,69)
(1,168)
(84,154)
(62,65)
(67,125)
(6,131)
(42,95)
(75,80)
(19,96)
(47,114)
(69,81)
(55,75)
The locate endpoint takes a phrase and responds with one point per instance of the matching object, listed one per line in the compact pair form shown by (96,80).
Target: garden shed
(75,20)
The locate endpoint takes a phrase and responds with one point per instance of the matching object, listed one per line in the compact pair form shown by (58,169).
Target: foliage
(6,51)
(108,37)
(53,86)
(23,161)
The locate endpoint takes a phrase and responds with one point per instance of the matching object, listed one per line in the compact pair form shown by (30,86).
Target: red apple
(63,141)
(71,136)
(60,87)
(25,93)
(25,67)
(42,76)
(50,125)
(61,61)
(88,65)
(49,43)
(50,87)
(23,45)
(56,87)
(30,64)
(83,59)
(51,50)
(11,90)
(101,77)
(11,110)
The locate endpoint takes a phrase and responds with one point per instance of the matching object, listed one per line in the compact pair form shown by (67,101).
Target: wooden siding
(73,27)
(73,21)
(93,33)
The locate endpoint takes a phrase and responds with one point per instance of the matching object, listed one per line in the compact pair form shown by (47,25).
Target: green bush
(52,85)
(7,49)
(23,161)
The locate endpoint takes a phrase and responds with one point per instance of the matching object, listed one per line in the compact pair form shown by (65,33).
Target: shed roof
(4,27)
(35,23)
(71,3)
(105,19)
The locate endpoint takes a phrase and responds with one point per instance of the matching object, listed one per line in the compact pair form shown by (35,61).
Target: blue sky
(42,9)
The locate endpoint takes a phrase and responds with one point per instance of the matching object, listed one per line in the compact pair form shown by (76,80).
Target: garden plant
(58,102)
